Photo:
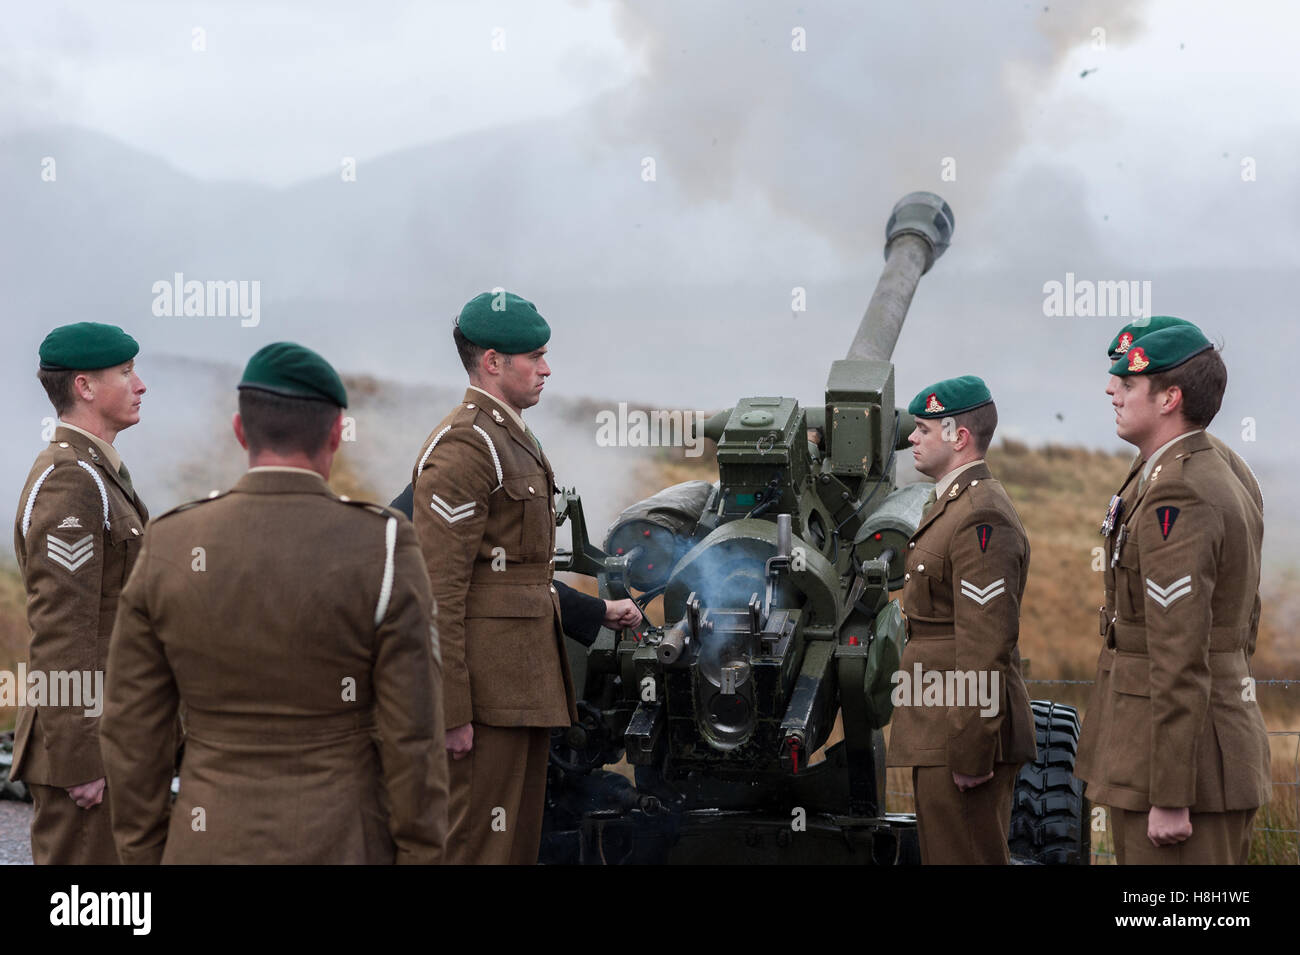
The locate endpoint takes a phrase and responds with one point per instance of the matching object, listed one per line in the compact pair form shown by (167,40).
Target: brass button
(911,544)
(907,576)
(135,531)
(974,482)
(469,406)
(920,566)
(344,497)
(530,489)
(63,444)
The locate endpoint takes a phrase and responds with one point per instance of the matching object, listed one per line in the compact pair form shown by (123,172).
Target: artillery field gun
(775,585)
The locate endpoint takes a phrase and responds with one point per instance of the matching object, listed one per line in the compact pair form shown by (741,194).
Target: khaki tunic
(296,628)
(485,516)
(484,511)
(1167,723)
(77,533)
(966,570)
(76,536)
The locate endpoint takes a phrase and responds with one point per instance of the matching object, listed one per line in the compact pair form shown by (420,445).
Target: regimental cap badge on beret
(1139,328)
(950,397)
(285,368)
(1162,350)
(503,321)
(86,346)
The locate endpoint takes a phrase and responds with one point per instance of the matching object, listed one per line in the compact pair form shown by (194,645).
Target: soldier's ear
(336,433)
(238,424)
(1171,399)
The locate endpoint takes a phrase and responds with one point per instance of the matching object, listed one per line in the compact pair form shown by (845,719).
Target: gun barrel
(918,232)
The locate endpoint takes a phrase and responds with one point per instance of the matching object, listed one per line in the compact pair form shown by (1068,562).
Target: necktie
(930,501)
(529,431)
(125,475)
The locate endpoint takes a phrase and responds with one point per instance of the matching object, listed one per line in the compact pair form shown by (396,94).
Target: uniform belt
(1230,663)
(269,728)
(1132,638)
(513,574)
(927,630)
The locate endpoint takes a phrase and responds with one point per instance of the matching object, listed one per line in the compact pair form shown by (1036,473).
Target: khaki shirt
(1168,723)
(966,570)
(77,534)
(296,629)
(484,511)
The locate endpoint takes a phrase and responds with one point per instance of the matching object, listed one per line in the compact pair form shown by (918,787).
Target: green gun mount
(778,623)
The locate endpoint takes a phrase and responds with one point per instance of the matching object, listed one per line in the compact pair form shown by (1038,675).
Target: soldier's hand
(88,794)
(460,741)
(621,613)
(1168,827)
(964,782)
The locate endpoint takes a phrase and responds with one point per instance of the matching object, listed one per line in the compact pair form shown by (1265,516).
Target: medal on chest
(1113,513)
(1119,545)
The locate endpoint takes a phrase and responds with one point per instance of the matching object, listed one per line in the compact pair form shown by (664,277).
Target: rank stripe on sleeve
(451,513)
(70,555)
(1167,595)
(982,595)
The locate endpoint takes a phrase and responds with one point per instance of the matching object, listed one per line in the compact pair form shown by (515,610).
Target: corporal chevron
(982,595)
(1167,595)
(451,513)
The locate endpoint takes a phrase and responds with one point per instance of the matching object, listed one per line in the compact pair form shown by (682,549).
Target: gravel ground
(15,832)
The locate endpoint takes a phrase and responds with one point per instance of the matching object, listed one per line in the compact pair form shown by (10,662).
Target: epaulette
(466,414)
(212,496)
(379,509)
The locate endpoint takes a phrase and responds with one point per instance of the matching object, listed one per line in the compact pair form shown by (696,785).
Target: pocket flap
(525,488)
(926,563)
(509,600)
(125,528)
(1131,675)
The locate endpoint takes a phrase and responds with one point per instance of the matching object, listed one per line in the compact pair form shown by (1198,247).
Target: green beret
(949,397)
(1162,350)
(86,346)
(1137,329)
(284,368)
(503,321)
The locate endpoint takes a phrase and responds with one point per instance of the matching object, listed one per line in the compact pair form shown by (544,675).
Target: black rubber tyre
(1049,814)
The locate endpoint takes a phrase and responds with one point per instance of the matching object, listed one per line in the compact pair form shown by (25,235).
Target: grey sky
(775,168)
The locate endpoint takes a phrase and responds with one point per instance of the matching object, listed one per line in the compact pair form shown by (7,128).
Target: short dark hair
(1202,380)
(283,424)
(468,351)
(981,422)
(57,383)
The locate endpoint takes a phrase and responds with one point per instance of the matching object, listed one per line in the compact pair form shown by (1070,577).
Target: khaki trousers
(963,828)
(496,795)
(64,834)
(1218,838)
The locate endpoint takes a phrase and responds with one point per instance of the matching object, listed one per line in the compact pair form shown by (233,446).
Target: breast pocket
(924,593)
(1129,592)
(122,546)
(526,515)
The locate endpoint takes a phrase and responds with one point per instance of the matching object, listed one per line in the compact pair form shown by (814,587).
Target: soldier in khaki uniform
(76,536)
(1173,740)
(485,516)
(296,628)
(1130,335)
(966,570)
